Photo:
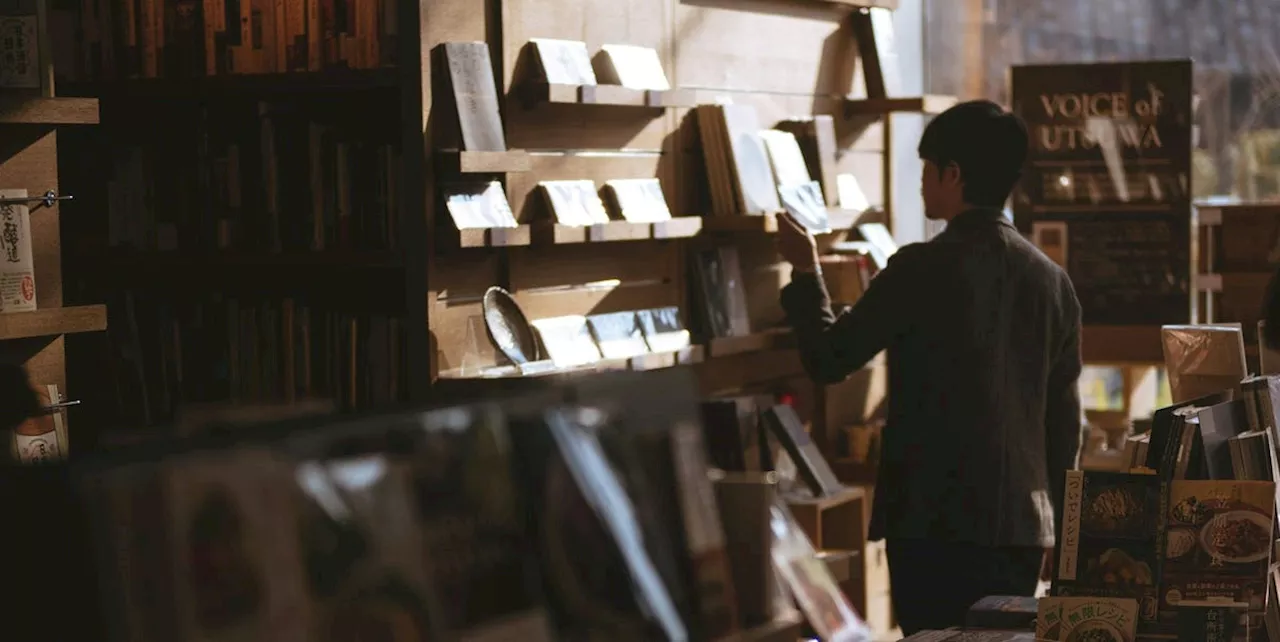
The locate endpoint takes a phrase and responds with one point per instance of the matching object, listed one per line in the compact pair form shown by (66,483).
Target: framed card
(574,202)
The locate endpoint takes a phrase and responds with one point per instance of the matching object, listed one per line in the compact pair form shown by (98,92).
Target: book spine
(1071,505)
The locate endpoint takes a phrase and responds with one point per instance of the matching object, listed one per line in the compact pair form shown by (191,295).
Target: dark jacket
(983,339)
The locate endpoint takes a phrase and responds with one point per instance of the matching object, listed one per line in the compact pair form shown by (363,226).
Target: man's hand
(796,245)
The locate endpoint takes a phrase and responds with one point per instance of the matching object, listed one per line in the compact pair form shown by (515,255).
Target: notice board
(1107,188)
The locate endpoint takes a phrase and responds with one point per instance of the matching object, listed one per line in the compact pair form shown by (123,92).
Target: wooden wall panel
(764,46)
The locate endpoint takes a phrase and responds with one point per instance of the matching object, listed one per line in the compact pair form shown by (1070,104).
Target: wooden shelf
(759,223)
(606,95)
(891,5)
(880,106)
(142,90)
(520,235)
(550,233)
(755,342)
(839,220)
(53,321)
(468,162)
(1116,345)
(17,110)
(680,227)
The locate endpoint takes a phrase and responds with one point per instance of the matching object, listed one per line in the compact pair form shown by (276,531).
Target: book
(786,158)
(478,207)
(971,636)
(469,72)
(803,201)
(755,184)
(639,200)
(472,509)
(17,267)
(1003,612)
(825,607)
(1218,542)
(635,67)
(564,62)
(618,335)
(810,464)
(723,303)
(568,340)
(1218,424)
(1075,619)
(662,329)
(1210,621)
(574,202)
(722,432)
(1108,546)
(43,437)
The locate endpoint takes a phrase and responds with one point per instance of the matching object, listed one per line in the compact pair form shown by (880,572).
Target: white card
(568,340)
(785,156)
(637,67)
(480,207)
(565,62)
(575,202)
(640,200)
(804,203)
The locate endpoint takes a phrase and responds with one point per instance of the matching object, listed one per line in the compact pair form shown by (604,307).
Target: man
(983,340)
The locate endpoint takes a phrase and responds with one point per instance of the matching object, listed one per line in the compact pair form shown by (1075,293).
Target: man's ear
(951,174)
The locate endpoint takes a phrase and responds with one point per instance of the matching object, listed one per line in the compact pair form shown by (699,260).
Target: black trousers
(934,583)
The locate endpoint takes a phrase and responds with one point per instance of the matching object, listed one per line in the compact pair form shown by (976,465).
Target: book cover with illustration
(1218,542)
(1087,619)
(1109,538)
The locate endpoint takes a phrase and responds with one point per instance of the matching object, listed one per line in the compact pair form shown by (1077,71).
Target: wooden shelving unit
(143,91)
(550,233)
(933,104)
(53,322)
(607,96)
(19,110)
(468,162)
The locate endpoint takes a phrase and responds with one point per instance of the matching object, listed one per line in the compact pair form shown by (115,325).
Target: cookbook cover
(1109,540)
(1218,541)
(1087,619)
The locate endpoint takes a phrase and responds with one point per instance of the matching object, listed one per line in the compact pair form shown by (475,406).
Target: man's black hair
(987,143)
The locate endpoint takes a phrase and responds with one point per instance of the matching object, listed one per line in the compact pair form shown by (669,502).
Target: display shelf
(755,342)
(517,236)
(680,227)
(18,110)
(932,104)
(891,5)
(839,220)
(143,90)
(607,95)
(469,162)
(551,233)
(53,321)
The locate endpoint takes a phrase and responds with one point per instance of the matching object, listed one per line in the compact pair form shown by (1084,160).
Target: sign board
(1107,188)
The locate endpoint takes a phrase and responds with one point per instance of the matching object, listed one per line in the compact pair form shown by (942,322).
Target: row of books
(167,355)
(527,520)
(287,182)
(120,39)
(1191,525)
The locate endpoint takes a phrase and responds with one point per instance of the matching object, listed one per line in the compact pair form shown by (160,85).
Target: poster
(1106,192)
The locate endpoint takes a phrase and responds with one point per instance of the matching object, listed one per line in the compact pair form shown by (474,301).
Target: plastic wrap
(1203,359)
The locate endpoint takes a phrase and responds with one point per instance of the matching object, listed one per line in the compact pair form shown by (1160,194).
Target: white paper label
(38,448)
